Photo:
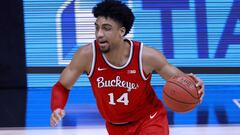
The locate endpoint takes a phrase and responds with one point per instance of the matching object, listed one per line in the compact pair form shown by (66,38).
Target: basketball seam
(177,100)
(184,89)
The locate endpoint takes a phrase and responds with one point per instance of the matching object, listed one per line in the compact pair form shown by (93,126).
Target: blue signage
(190,33)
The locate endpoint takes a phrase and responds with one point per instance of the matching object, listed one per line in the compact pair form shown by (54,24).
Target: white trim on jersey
(129,58)
(140,63)
(93,59)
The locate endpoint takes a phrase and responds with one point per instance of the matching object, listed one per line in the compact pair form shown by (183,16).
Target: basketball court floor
(218,114)
(100,130)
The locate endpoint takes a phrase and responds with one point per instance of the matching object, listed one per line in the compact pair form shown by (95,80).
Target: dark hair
(117,11)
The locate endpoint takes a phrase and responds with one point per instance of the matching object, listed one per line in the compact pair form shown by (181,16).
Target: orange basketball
(180,93)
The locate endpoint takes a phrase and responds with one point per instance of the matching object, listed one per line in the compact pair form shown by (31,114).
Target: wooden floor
(100,130)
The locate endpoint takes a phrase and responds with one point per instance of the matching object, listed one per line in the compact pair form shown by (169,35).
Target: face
(109,33)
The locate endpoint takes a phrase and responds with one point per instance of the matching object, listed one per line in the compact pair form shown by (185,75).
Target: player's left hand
(199,85)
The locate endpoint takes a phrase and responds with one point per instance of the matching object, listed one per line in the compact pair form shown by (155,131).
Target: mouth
(104,46)
(102,43)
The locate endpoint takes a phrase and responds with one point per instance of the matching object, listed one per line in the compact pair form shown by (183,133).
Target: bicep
(158,63)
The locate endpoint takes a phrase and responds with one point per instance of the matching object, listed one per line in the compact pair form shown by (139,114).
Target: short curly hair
(117,11)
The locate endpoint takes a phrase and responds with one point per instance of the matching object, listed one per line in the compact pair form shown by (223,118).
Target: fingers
(56,116)
(201,93)
(53,121)
(199,85)
(62,113)
(195,78)
(199,82)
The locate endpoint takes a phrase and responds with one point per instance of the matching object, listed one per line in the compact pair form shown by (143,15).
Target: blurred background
(38,39)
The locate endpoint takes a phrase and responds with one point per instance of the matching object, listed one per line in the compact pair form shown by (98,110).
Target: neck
(119,55)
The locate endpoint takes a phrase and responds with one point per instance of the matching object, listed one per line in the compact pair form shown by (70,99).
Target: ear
(123,31)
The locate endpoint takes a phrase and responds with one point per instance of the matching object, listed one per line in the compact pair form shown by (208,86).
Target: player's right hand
(56,116)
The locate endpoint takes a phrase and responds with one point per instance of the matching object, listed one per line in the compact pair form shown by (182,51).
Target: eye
(107,28)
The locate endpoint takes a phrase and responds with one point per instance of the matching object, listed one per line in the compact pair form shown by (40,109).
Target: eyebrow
(105,24)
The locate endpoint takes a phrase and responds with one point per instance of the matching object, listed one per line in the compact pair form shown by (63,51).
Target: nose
(99,33)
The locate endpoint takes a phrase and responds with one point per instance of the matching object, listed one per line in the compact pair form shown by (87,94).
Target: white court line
(206,130)
(237,102)
(100,130)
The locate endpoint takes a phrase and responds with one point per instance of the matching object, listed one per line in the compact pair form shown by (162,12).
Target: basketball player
(119,71)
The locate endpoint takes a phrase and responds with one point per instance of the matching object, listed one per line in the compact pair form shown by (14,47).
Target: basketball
(180,93)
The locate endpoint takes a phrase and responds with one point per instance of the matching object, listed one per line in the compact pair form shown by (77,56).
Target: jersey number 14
(122,99)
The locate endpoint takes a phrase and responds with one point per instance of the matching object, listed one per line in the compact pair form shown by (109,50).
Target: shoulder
(84,53)
(152,59)
(83,57)
(86,50)
(149,53)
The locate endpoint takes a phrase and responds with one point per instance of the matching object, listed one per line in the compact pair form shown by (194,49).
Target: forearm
(60,90)
(59,96)
(69,76)
(169,70)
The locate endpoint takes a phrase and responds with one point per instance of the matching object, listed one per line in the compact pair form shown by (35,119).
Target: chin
(105,50)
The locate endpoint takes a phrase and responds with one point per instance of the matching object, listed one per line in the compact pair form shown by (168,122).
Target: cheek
(113,36)
(116,35)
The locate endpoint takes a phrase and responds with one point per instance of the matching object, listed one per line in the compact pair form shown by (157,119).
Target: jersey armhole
(143,74)
(93,59)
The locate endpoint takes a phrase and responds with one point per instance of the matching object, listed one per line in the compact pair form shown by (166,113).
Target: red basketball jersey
(123,93)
